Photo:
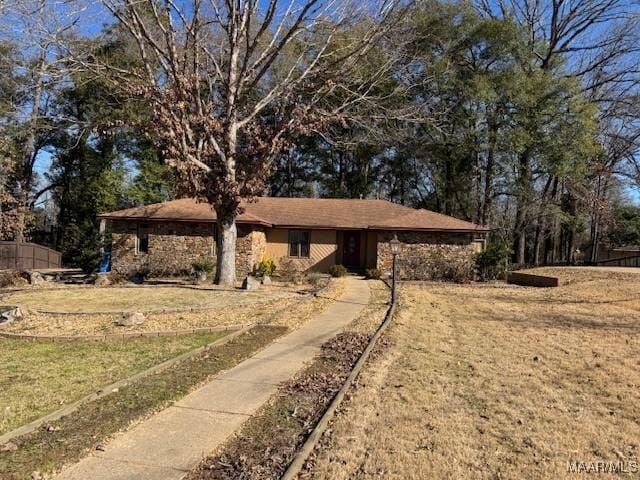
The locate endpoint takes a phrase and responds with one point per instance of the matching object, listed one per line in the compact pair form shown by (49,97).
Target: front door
(351,248)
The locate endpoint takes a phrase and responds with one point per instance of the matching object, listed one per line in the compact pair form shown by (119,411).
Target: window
(142,238)
(299,243)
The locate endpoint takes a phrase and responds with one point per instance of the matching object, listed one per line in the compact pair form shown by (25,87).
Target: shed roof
(318,213)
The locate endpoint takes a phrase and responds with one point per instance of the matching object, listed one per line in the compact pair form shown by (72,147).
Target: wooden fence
(27,256)
(629,261)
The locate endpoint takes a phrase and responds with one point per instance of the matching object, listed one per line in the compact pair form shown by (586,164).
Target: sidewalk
(173,442)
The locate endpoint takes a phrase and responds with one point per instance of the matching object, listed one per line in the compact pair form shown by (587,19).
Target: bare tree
(42,32)
(230,81)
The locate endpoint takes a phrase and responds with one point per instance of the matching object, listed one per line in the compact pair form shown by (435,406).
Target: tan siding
(322,255)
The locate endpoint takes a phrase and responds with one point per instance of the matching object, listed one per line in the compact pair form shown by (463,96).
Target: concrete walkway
(174,441)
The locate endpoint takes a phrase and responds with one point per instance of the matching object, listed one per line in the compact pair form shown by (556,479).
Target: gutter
(179,220)
(479,229)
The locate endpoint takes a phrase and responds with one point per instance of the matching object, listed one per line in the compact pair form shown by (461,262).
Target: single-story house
(299,234)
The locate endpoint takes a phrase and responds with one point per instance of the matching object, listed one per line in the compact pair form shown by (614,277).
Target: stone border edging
(109,389)
(296,466)
(121,336)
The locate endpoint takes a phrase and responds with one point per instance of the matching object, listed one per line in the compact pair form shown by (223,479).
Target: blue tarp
(105,264)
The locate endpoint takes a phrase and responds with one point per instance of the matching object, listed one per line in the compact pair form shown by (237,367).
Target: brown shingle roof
(306,213)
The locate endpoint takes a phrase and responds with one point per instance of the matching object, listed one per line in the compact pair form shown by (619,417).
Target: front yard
(38,378)
(498,382)
(95,311)
(140,298)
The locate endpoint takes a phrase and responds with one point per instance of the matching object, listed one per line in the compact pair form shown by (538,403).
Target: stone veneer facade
(418,248)
(250,248)
(174,246)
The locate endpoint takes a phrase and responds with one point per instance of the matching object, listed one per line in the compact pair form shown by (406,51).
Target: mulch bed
(268,442)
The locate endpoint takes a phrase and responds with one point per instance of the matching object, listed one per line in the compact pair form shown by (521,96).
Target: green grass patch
(39,378)
(70,438)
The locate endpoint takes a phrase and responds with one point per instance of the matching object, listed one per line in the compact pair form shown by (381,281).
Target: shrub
(298,278)
(444,263)
(493,261)
(11,278)
(373,274)
(202,266)
(337,270)
(266,267)
(317,279)
(117,278)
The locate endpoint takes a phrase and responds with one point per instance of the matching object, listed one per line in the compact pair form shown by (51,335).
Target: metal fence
(27,256)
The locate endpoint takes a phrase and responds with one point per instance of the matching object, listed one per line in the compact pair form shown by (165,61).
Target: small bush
(202,266)
(337,270)
(266,267)
(373,274)
(118,278)
(11,278)
(317,279)
(298,278)
(494,260)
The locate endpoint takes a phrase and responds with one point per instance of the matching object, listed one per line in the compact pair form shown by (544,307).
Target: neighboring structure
(300,234)
(615,253)
(628,256)
(28,256)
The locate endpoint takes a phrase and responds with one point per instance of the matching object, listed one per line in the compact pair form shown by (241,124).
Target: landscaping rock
(34,278)
(266,280)
(9,447)
(102,280)
(250,283)
(131,319)
(10,314)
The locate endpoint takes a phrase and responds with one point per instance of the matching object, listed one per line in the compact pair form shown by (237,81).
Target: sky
(94,17)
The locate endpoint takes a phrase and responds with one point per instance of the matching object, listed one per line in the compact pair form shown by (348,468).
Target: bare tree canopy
(231,81)
(522,114)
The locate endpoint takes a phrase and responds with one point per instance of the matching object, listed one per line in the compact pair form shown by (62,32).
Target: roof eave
(429,229)
(180,220)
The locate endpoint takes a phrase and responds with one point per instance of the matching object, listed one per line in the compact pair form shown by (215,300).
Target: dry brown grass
(279,305)
(373,314)
(140,299)
(498,382)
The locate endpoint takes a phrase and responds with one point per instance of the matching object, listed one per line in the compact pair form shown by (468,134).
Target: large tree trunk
(523,197)
(227,211)
(29,152)
(487,202)
(596,218)
(226,249)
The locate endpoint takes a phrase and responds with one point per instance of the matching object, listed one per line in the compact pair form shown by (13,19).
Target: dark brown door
(351,248)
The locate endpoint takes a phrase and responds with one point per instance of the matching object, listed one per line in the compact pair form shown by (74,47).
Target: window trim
(139,227)
(308,232)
